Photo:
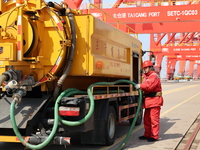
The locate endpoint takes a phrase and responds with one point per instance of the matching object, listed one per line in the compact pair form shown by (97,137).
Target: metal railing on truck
(115,91)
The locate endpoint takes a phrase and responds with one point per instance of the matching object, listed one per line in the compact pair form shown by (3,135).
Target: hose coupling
(11,85)
(11,74)
(17,97)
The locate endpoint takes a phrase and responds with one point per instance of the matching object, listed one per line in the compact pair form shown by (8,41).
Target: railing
(118,23)
(150,3)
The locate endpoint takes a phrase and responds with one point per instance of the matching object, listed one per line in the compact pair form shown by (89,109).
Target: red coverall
(152,105)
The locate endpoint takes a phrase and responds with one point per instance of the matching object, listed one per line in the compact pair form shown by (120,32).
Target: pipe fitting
(17,97)
(11,85)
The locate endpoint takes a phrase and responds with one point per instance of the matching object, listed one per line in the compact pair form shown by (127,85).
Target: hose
(134,120)
(70,58)
(73,47)
(17,133)
(58,118)
(89,114)
(2,78)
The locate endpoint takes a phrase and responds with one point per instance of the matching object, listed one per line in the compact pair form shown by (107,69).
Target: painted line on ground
(164,113)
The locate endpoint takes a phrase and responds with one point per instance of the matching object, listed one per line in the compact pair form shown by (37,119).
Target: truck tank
(46,48)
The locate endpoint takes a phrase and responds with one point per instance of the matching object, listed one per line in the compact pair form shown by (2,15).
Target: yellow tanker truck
(63,72)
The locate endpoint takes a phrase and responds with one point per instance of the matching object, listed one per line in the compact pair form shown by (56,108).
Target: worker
(153,100)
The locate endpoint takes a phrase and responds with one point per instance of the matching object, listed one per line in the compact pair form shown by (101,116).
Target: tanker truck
(64,73)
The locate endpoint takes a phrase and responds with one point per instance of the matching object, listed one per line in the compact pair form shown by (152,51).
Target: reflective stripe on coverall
(152,105)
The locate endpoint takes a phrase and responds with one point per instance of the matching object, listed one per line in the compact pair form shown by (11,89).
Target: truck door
(135,67)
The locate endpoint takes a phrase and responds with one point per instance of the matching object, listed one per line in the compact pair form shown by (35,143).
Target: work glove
(137,86)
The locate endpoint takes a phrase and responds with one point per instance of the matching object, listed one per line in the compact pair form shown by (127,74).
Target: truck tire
(139,119)
(110,126)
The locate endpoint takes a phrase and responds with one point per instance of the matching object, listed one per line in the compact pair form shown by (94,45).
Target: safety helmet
(147,63)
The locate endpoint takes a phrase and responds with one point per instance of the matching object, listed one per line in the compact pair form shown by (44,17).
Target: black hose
(72,50)
(70,57)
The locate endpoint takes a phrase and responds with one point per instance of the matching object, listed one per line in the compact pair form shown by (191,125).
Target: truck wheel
(110,126)
(139,119)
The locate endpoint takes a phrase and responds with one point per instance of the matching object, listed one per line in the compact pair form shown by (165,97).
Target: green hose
(58,118)
(89,114)
(17,133)
(55,125)
(134,120)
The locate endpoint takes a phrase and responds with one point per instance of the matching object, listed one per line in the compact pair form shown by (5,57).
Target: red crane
(177,21)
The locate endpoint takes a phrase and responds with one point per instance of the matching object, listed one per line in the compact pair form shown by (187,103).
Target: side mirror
(152,56)
(143,52)
(152,59)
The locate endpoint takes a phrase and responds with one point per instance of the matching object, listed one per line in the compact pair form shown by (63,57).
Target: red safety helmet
(147,63)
